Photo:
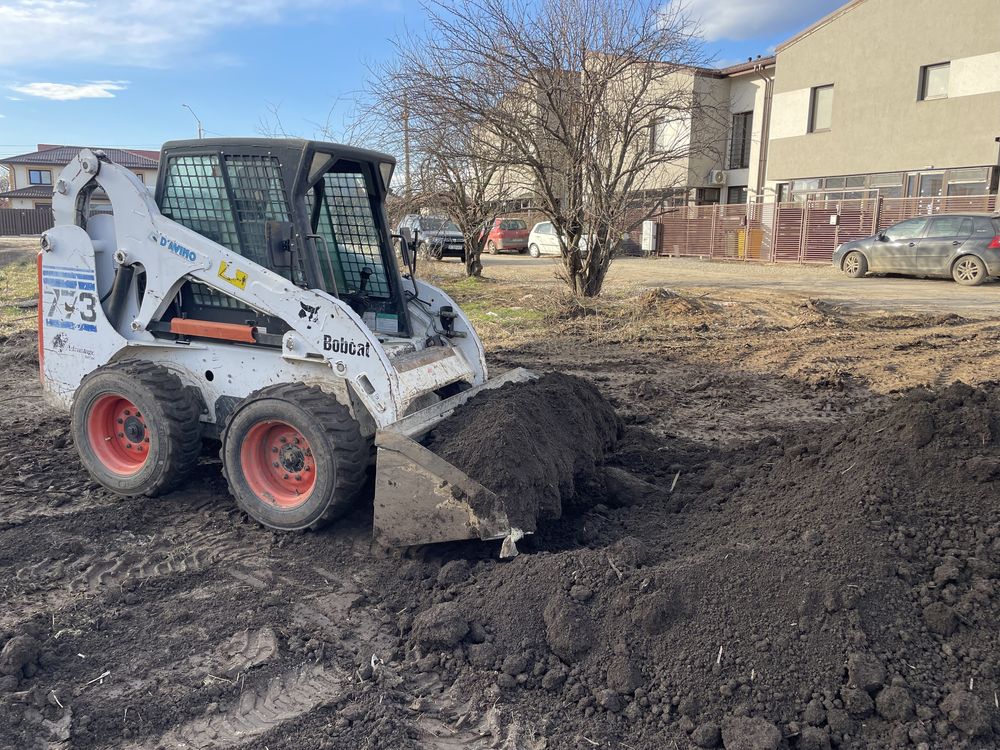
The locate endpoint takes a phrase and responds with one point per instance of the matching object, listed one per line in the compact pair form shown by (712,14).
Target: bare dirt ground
(796,547)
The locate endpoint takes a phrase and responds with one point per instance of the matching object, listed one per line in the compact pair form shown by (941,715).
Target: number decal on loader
(238,279)
(70,298)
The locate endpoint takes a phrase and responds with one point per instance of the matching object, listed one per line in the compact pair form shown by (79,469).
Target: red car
(507,236)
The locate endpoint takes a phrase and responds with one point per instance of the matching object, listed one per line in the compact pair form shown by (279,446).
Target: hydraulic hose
(119,288)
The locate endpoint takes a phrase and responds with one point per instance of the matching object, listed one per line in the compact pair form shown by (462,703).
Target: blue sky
(116,72)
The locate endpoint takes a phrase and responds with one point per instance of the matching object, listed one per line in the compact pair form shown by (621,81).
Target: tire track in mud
(165,555)
(175,551)
(257,711)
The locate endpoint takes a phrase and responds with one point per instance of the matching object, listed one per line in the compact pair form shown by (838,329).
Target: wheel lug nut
(296,441)
(127,412)
(298,477)
(274,450)
(121,434)
(275,464)
(121,421)
(285,476)
(284,440)
(128,445)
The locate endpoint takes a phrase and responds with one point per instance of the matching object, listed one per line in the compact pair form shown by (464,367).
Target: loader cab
(310,211)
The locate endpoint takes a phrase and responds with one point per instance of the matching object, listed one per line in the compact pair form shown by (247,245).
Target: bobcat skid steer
(257,300)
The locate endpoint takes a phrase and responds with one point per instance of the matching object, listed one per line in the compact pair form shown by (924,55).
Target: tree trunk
(474,258)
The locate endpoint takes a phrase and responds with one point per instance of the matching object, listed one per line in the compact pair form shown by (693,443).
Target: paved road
(889,293)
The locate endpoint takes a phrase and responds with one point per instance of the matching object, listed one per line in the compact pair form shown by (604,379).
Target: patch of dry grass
(18,284)
(510,312)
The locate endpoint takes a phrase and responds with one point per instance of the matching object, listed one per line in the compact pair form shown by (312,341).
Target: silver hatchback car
(965,247)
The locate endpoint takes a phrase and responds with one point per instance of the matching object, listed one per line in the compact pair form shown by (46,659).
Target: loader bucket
(420,498)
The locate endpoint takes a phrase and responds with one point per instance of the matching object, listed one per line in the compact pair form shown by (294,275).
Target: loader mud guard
(420,498)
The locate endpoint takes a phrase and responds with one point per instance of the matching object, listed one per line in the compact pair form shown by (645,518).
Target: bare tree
(591,107)
(450,165)
(4,186)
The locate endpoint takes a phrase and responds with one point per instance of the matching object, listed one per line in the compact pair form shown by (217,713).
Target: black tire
(159,421)
(855,264)
(969,271)
(491,248)
(422,250)
(332,459)
(534,252)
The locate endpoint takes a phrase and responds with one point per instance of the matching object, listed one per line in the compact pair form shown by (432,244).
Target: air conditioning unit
(717,177)
(648,243)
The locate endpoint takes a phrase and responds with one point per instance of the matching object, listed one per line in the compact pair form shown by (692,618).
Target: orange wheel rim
(118,434)
(278,464)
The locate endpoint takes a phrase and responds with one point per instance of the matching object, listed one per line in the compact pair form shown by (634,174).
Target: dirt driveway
(743,280)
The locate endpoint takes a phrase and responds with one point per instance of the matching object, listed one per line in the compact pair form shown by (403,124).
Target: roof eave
(829,18)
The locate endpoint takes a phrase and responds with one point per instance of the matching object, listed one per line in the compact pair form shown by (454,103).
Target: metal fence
(15,222)
(801,232)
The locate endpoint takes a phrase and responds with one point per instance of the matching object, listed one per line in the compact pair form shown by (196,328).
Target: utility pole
(406,148)
(201,132)
(996,176)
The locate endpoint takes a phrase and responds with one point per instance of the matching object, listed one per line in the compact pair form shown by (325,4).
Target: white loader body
(107,280)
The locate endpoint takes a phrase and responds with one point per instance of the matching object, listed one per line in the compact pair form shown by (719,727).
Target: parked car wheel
(855,265)
(969,271)
(491,248)
(534,252)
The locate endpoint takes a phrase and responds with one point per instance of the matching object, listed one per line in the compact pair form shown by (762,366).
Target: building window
(706,196)
(781,192)
(39,176)
(737,195)
(664,136)
(968,181)
(739,147)
(934,81)
(821,109)
(141,178)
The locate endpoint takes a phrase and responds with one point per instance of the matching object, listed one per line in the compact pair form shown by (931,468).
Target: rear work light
(995,244)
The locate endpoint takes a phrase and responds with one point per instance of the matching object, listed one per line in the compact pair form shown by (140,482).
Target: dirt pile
(531,443)
(836,588)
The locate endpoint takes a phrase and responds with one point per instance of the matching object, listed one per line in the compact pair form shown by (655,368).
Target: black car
(436,237)
(965,247)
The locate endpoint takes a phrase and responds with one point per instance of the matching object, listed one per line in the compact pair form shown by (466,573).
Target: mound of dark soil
(837,588)
(531,443)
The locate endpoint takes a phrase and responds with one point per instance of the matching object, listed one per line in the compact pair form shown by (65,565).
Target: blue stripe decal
(70,283)
(61,283)
(47,266)
(66,275)
(71,325)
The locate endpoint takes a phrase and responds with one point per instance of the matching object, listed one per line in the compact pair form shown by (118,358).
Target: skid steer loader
(257,300)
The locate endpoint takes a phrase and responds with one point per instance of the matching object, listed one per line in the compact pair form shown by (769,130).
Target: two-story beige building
(33,175)
(895,98)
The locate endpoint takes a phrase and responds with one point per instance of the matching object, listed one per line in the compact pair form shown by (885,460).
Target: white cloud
(747,19)
(150,33)
(71,91)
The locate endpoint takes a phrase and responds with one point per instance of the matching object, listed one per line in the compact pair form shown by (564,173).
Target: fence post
(711,243)
(804,232)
